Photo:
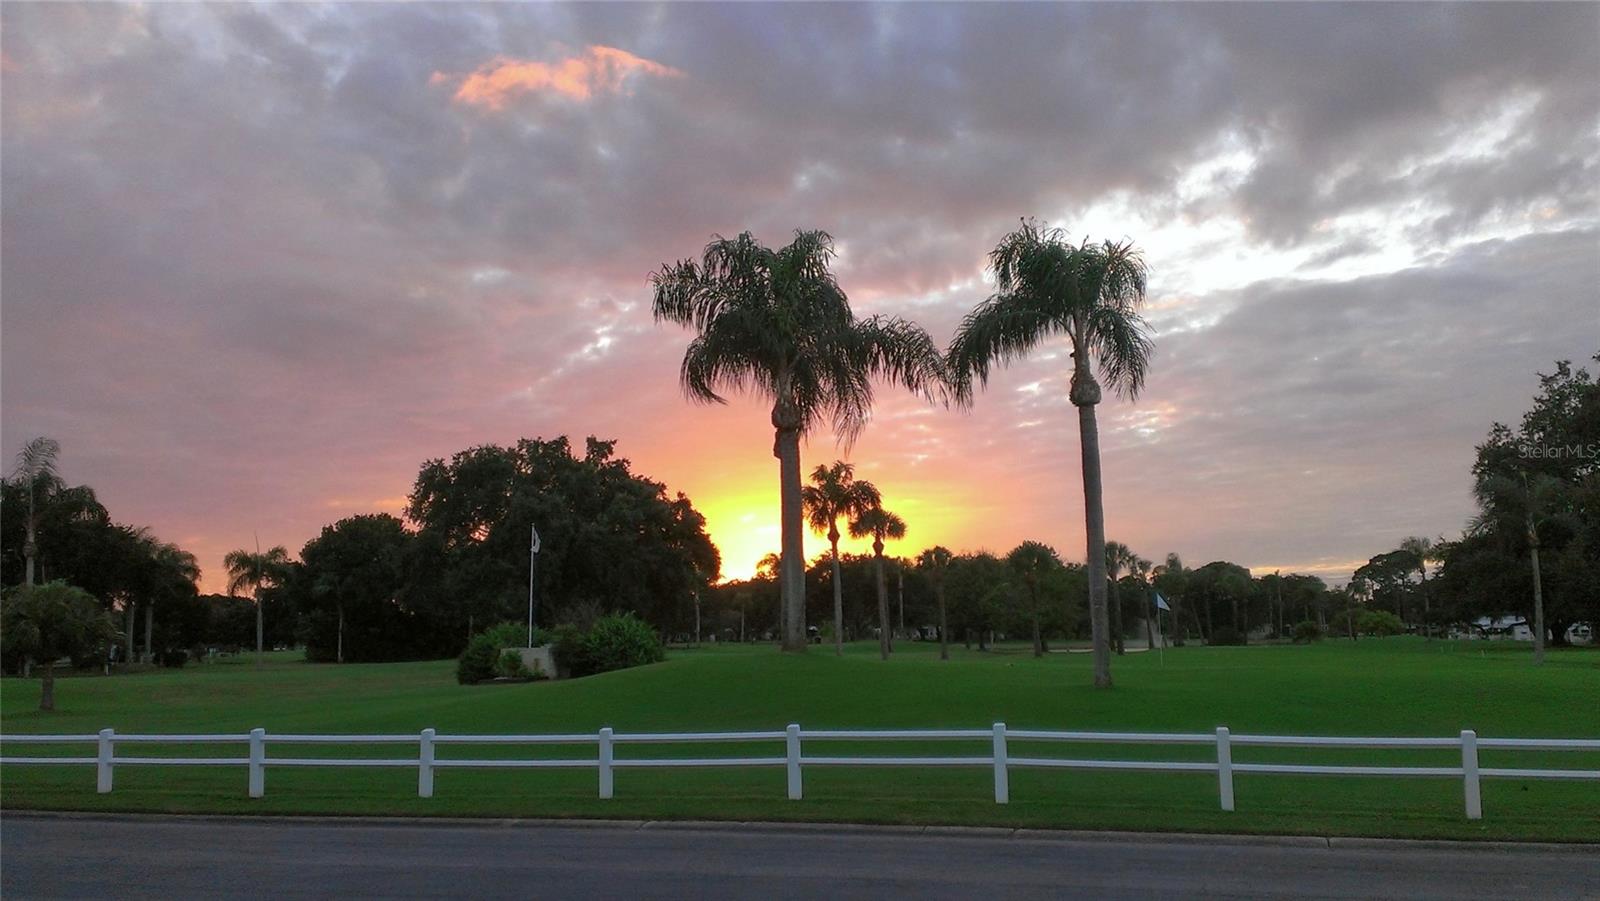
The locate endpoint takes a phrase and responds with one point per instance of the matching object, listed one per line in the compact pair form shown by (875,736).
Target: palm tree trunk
(127,629)
(47,691)
(900,597)
(791,569)
(1116,615)
(30,547)
(838,603)
(1427,615)
(1149,629)
(1538,597)
(339,654)
(883,608)
(944,629)
(260,632)
(1095,529)
(149,618)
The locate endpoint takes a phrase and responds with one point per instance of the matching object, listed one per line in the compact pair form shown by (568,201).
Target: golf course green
(1385,687)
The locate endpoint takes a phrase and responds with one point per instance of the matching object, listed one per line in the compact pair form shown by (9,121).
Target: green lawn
(1400,686)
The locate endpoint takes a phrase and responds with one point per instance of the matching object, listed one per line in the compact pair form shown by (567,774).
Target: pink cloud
(597,70)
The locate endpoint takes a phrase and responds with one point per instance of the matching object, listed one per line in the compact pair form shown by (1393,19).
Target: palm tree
(1092,293)
(1422,549)
(1030,560)
(935,561)
(1172,575)
(835,492)
(1118,558)
(1525,503)
(253,572)
(169,563)
(36,469)
(1139,568)
(880,524)
(775,324)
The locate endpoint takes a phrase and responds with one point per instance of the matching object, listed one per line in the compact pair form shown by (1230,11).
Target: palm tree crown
(1047,286)
(834,492)
(878,524)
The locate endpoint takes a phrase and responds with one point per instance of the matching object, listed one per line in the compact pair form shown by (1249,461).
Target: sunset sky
(259,263)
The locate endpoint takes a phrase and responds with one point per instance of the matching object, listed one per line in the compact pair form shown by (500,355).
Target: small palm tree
(1423,550)
(1031,560)
(880,525)
(253,572)
(1118,558)
(1141,568)
(935,561)
(1522,502)
(834,492)
(775,324)
(1047,286)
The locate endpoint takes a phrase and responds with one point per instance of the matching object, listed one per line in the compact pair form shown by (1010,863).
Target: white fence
(793,761)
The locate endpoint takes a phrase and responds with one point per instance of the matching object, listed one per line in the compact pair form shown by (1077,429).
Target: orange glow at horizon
(598,69)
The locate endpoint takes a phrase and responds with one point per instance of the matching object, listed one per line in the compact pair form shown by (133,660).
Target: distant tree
(1421,551)
(1118,558)
(1046,286)
(834,492)
(880,525)
(1530,503)
(1172,580)
(50,621)
(253,573)
(935,562)
(358,566)
(775,323)
(1221,582)
(1032,562)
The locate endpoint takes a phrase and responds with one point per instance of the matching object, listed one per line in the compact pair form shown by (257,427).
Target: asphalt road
(152,857)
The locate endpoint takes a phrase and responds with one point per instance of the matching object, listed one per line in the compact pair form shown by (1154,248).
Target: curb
(983,833)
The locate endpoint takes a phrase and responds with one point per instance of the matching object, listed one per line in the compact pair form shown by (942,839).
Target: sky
(259,263)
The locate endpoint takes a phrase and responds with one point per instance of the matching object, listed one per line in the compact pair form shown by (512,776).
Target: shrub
(621,641)
(1226,635)
(1306,632)
(477,662)
(511,665)
(174,658)
(572,650)
(1379,622)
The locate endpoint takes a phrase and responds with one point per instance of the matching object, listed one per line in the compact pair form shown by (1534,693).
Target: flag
(1161,603)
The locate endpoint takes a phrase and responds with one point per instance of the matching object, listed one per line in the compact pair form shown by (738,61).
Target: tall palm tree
(36,469)
(1119,557)
(881,525)
(834,492)
(775,324)
(1526,503)
(935,561)
(1047,286)
(252,572)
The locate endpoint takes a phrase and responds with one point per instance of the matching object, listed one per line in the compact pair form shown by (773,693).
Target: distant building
(1515,628)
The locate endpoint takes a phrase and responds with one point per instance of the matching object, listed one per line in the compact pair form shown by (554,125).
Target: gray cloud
(257,264)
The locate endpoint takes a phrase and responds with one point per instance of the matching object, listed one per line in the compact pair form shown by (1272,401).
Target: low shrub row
(611,643)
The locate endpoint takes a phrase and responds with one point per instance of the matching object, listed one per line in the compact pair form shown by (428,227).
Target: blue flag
(1161,603)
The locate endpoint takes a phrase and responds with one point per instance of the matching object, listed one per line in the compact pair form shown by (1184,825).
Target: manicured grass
(1396,687)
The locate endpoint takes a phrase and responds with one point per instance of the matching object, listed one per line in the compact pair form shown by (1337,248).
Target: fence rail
(999,758)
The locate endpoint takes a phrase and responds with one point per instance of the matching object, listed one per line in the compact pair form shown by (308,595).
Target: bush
(477,662)
(511,665)
(1379,622)
(572,650)
(1226,635)
(1306,632)
(174,658)
(622,641)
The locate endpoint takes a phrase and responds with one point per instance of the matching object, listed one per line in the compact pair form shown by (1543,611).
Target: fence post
(1469,774)
(425,765)
(605,763)
(258,760)
(1225,767)
(1002,776)
(103,762)
(792,745)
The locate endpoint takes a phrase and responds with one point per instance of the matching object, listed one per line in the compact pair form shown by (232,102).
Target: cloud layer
(258,263)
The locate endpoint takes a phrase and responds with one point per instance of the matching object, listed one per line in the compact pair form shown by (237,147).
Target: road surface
(154,857)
